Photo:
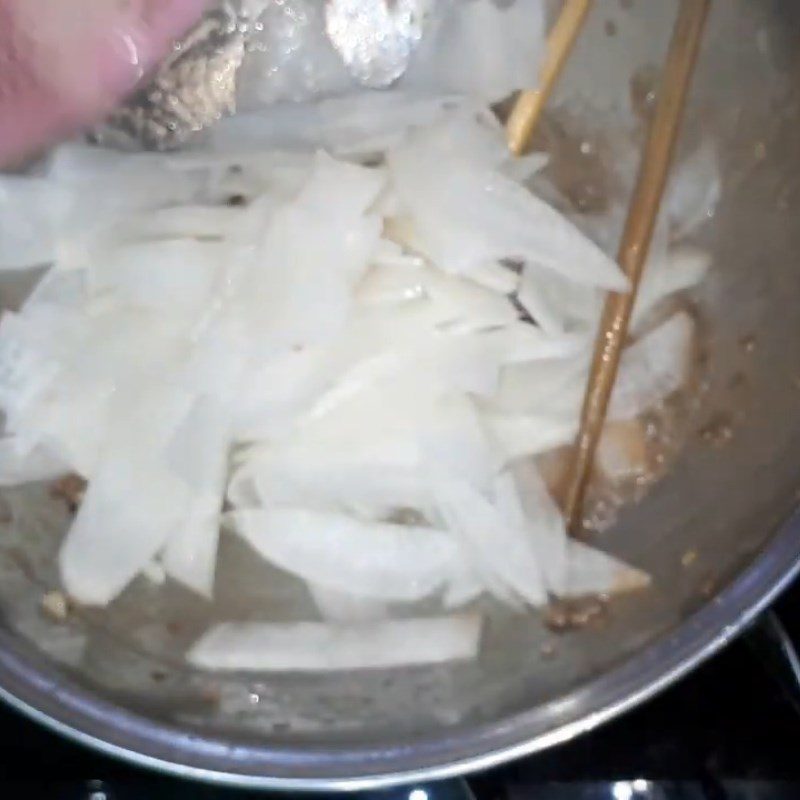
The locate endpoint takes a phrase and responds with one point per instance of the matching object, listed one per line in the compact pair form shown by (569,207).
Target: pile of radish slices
(349,354)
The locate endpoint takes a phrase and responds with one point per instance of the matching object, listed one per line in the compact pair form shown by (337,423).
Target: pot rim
(51,698)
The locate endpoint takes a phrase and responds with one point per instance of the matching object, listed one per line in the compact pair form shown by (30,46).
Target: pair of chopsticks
(642,213)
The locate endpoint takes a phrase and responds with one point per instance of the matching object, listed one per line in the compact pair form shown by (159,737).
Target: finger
(64,64)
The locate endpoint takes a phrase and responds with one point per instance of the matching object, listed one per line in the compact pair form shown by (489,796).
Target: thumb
(65,63)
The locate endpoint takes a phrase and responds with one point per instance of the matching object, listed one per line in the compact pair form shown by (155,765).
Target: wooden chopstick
(634,246)
(529,105)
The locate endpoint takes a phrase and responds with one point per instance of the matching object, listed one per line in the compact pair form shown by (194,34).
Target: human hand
(65,63)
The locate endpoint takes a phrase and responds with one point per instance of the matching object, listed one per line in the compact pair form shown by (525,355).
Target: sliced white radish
(183,222)
(521,494)
(31,213)
(316,647)
(680,269)
(70,420)
(464,216)
(132,505)
(454,439)
(622,452)
(523,168)
(694,190)
(519,435)
(502,550)
(591,571)
(556,303)
(355,124)
(387,284)
(372,484)
(366,559)
(467,585)
(355,187)
(496,276)
(552,387)
(343,607)
(653,368)
(460,300)
(25,368)
(336,348)
(309,303)
(197,454)
(389,253)
(169,274)
(20,465)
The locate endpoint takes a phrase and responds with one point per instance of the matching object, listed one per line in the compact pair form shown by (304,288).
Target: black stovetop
(731,730)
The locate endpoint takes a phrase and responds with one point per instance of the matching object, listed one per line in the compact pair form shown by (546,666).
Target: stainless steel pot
(720,534)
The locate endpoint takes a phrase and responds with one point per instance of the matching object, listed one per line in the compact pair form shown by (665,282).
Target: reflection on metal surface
(376,37)
(657,790)
(637,789)
(457,789)
(197,84)
(773,646)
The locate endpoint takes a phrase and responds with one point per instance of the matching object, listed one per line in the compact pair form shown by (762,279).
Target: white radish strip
(520,435)
(390,254)
(536,303)
(355,187)
(346,608)
(387,284)
(694,190)
(190,222)
(465,586)
(316,647)
(680,269)
(363,124)
(309,303)
(622,452)
(558,304)
(552,387)
(367,559)
(161,274)
(31,210)
(464,216)
(25,369)
(523,168)
(459,299)
(502,549)
(129,511)
(20,465)
(653,368)
(453,438)
(190,556)
(132,504)
(198,455)
(522,493)
(496,276)
(372,487)
(520,342)
(105,189)
(70,420)
(591,571)
(397,422)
